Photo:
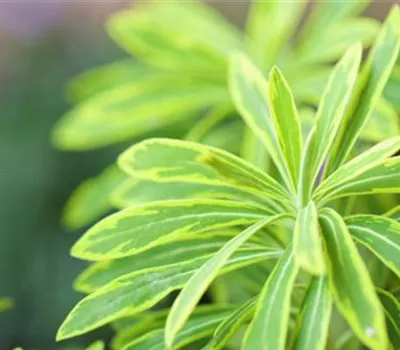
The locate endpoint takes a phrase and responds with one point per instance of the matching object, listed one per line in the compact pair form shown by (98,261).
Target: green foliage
(286,229)
(176,86)
(6,304)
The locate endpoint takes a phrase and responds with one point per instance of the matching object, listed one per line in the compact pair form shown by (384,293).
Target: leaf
(394,213)
(136,229)
(329,116)
(392,88)
(192,247)
(166,160)
(108,77)
(269,28)
(313,321)
(134,192)
(336,38)
(97,345)
(200,41)
(382,124)
(373,78)
(200,281)
(249,91)
(286,121)
(307,242)
(379,234)
(392,311)
(198,327)
(91,199)
(229,326)
(383,178)
(139,291)
(270,323)
(352,288)
(132,110)
(6,304)
(352,170)
(326,14)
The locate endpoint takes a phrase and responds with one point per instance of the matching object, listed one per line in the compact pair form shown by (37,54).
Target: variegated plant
(179,88)
(322,272)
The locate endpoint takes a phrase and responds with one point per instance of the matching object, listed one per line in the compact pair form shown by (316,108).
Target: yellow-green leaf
(307,242)
(352,288)
(392,310)
(271,321)
(139,228)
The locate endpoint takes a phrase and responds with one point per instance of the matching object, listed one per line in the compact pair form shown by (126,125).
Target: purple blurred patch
(320,174)
(29,19)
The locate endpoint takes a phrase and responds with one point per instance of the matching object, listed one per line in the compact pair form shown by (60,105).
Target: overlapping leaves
(193,240)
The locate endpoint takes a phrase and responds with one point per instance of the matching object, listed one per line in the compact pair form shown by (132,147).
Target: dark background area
(43,45)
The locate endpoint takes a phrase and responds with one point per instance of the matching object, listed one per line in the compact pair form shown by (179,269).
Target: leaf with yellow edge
(307,242)
(352,288)
(142,227)
(200,281)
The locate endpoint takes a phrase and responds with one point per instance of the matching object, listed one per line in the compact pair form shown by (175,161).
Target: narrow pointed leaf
(139,291)
(101,273)
(358,166)
(392,310)
(329,116)
(313,322)
(202,325)
(230,325)
(352,288)
(134,192)
(286,121)
(139,228)
(166,160)
(98,345)
(394,213)
(270,25)
(270,323)
(307,242)
(379,234)
(373,78)
(383,178)
(200,281)
(249,91)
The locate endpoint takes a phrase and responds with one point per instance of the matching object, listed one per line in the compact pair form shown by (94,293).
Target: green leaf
(6,304)
(383,178)
(200,281)
(352,288)
(132,110)
(134,192)
(336,38)
(352,170)
(91,199)
(200,41)
(271,321)
(110,76)
(142,227)
(270,25)
(166,160)
(326,14)
(370,86)
(286,121)
(249,91)
(97,345)
(200,326)
(382,124)
(185,249)
(139,291)
(379,234)
(307,242)
(392,311)
(229,326)
(394,213)
(313,321)
(329,116)
(392,88)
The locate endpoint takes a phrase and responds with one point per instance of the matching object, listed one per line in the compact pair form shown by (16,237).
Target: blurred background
(42,45)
